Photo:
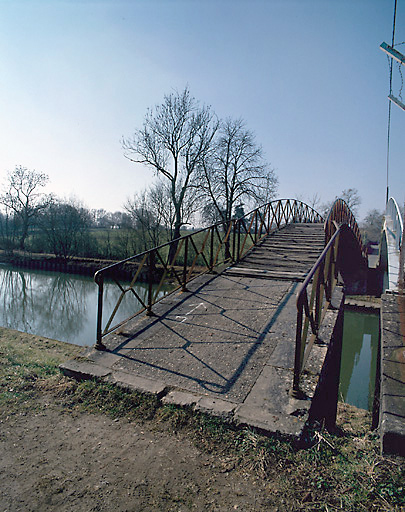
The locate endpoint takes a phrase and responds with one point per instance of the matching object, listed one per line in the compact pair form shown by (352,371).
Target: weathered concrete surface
(226,347)
(286,254)
(392,400)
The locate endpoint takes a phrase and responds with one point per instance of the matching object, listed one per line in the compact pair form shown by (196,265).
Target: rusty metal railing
(313,300)
(340,213)
(315,294)
(194,254)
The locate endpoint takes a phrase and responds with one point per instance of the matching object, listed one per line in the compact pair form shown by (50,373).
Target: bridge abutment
(392,394)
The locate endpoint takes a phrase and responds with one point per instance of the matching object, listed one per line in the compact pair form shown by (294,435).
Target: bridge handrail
(395,220)
(311,312)
(341,214)
(195,254)
(323,276)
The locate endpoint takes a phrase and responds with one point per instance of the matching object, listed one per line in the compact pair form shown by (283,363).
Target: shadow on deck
(226,346)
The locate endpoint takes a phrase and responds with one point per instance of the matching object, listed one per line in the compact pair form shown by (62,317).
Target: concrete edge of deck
(237,413)
(392,391)
(268,406)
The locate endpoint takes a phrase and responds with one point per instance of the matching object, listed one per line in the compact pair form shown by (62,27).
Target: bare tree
(210,214)
(174,140)
(315,201)
(24,198)
(66,225)
(8,230)
(235,171)
(163,208)
(101,218)
(352,199)
(372,225)
(146,217)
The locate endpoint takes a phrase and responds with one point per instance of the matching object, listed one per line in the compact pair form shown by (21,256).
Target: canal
(58,306)
(359,357)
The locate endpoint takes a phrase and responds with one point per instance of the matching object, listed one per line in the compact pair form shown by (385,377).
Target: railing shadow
(201,364)
(203,251)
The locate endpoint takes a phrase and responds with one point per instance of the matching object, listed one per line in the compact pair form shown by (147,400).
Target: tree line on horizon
(207,170)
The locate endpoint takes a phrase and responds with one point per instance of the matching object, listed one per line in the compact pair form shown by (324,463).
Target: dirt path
(62,450)
(56,460)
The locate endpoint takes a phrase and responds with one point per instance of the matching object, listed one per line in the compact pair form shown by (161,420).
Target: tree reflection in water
(58,306)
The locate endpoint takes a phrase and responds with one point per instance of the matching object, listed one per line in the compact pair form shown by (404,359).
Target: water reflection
(58,306)
(359,358)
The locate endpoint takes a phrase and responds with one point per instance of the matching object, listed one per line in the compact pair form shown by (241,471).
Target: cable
(389,102)
(388,150)
(402,81)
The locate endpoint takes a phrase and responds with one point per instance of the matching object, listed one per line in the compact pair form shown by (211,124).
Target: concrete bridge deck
(226,346)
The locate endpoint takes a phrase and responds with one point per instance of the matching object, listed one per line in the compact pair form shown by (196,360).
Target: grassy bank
(343,471)
(72,265)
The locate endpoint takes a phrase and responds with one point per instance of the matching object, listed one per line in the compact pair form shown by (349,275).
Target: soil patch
(72,446)
(56,460)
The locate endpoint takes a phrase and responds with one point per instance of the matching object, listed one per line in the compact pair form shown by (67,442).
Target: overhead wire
(402,81)
(389,102)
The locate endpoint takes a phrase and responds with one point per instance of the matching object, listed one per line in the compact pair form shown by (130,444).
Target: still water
(58,306)
(359,358)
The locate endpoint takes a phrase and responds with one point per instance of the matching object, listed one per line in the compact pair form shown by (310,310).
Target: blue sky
(307,76)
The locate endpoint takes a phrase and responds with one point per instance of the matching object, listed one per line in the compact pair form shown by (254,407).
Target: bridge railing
(392,251)
(181,260)
(340,213)
(393,221)
(315,294)
(313,300)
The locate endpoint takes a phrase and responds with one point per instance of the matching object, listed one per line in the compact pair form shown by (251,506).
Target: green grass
(25,361)
(340,471)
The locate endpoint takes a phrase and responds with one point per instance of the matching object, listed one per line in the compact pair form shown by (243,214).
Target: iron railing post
(99,278)
(318,298)
(278,215)
(268,220)
(296,392)
(256,214)
(238,245)
(212,247)
(234,223)
(151,268)
(183,286)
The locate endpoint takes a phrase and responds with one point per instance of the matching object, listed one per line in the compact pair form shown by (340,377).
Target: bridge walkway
(287,254)
(226,346)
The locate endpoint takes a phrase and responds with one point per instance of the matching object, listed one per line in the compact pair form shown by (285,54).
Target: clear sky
(307,76)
